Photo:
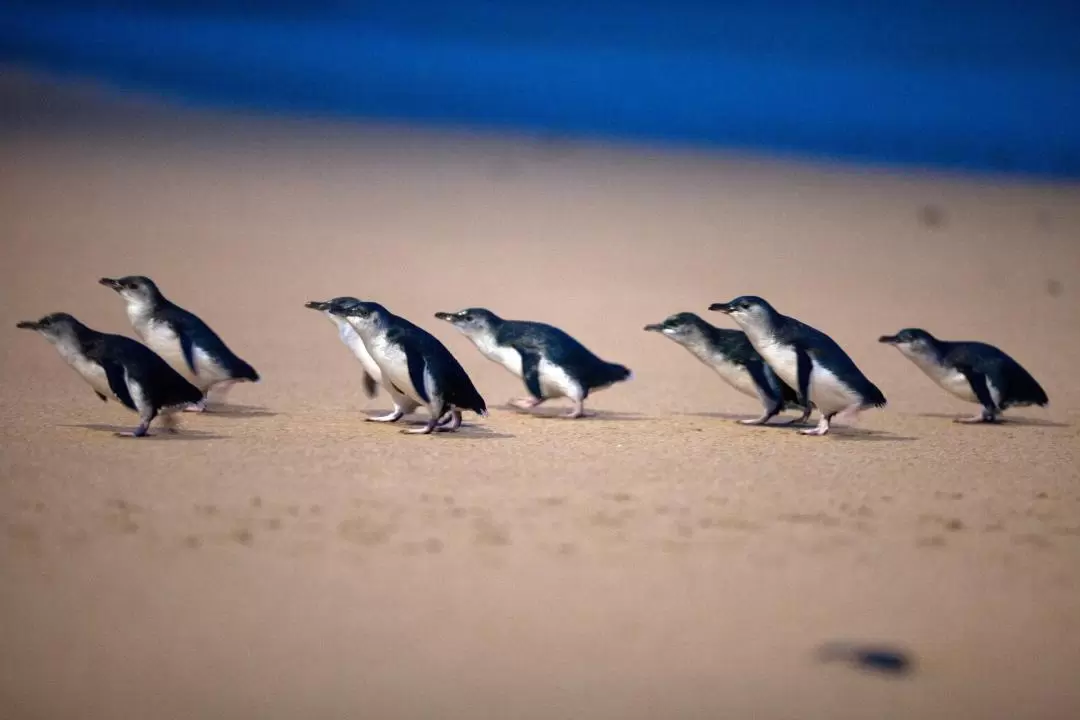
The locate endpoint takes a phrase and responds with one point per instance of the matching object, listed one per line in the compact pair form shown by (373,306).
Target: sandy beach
(285,559)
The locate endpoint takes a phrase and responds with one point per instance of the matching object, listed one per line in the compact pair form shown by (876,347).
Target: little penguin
(806,359)
(551,363)
(415,366)
(972,371)
(350,338)
(182,339)
(120,368)
(734,359)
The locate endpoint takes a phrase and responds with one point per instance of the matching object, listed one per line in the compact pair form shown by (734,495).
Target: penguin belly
(90,371)
(735,375)
(394,367)
(827,391)
(951,380)
(163,340)
(508,357)
(556,381)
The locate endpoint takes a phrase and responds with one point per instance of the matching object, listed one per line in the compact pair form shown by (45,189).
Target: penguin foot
(977,419)
(428,428)
(451,424)
(390,417)
(577,411)
(527,403)
(199,407)
(821,429)
(136,433)
(766,417)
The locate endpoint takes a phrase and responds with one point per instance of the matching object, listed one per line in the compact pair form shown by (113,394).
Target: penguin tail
(874,397)
(245,372)
(617,373)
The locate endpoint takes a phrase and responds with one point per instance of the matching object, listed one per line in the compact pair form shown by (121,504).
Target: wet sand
(285,559)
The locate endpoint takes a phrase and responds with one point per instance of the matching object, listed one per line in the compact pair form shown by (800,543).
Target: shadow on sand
(777,422)
(234,411)
(1016,421)
(154,434)
(845,433)
(558,413)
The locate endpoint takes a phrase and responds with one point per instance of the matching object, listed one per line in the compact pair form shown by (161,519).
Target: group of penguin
(785,363)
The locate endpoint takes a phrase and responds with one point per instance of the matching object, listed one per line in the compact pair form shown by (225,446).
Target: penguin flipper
(370,386)
(187,347)
(530,371)
(805,366)
(415,359)
(977,380)
(114,373)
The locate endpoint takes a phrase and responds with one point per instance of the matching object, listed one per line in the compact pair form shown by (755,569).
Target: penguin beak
(316,305)
(109,282)
(27,325)
(722,307)
(655,327)
(888,339)
(448,317)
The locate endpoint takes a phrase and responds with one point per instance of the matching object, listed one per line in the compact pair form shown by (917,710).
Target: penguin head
(361,315)
(681,327)
(747,310)
(329,305)
(135,289)
(472,321)
(911,341)
(54,327)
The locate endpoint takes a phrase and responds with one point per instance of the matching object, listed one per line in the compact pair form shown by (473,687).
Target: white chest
(783,360)
(508,357)
(949,379)
(90,371)
(393,365)
(733,374)
(352,340)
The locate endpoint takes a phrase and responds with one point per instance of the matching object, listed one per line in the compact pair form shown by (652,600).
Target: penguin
(181,338)
(972,371)
(415,366)
(371,373)
(551,363)
(120,368)
(735,360)
(403,405)
(806,359)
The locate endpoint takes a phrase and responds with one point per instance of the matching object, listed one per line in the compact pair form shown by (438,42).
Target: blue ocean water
(989,86)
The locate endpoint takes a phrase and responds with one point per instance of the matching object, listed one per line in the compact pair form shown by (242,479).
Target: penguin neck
(762,333)
(928,356)
(701,344)
(72,345)
(485,340)
(140,310)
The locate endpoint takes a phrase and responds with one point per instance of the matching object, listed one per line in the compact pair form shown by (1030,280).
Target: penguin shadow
(1016,421)
(154,434)
(863,435)
(559,413)
(777,423)
(468,431)
(235,411)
